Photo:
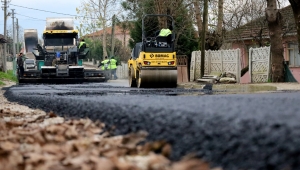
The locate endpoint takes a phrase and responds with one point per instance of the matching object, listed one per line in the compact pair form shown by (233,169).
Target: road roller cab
(153,61)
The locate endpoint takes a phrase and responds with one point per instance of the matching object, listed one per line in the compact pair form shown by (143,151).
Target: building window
(293,55)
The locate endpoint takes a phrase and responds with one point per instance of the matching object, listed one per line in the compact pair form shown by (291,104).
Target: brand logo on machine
(161,55)
(151,55)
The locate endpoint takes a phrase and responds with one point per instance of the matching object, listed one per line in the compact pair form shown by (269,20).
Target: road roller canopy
(153,40)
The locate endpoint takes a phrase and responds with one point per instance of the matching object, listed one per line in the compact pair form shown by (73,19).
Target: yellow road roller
(153,61)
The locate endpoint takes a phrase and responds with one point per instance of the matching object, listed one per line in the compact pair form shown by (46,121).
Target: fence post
(250,64)
(239,64)
(222,61)
(269,67)
(208,62)
(192,67)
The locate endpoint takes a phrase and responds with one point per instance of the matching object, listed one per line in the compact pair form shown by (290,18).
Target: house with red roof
(120,34)
(256,34)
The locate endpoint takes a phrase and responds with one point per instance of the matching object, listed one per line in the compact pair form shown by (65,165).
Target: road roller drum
(157,77)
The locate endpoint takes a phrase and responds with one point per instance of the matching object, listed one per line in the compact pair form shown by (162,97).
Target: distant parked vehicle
(29,64)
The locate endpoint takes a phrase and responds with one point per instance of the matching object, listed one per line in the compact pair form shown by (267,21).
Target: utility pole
(112,39)
(5,36)
(14,34)
(18,49)
(113,36)
(205,20)
(8,46)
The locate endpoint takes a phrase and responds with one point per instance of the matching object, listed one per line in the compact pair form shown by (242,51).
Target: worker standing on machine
(82,45)
(113,67)
(165,32)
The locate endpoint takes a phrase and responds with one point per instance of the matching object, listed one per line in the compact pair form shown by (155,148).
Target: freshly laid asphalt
(241,131)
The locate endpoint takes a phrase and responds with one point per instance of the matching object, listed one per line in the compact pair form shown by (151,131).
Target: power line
(23,19)
(53,12)
(44,10)
(30,17)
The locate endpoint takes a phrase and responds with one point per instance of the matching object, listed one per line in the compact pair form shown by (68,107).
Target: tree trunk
(198,16)
(296,10)
(103,20)
(205,21)
(125,39)
(112,53)
(198,20)
(161,7)
(220,17)
(275,30)
(104,39)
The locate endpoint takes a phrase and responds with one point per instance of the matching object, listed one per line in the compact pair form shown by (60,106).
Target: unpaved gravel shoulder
(4,104)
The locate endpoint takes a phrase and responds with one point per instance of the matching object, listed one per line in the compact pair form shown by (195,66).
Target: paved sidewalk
(245,88)
(283,86)
(230,87)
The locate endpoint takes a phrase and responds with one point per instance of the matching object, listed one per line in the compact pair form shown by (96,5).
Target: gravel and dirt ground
(33,139)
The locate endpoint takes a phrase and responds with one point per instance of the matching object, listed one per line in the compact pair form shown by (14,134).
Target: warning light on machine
(171,62)
(147,63)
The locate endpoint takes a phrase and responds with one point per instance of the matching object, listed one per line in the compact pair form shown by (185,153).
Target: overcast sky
(35,19)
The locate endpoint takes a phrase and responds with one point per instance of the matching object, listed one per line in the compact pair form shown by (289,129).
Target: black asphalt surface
(241,131)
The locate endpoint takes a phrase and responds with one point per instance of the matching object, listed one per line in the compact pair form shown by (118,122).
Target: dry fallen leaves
(46,141)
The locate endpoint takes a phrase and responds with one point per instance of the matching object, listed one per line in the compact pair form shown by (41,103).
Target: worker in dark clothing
(20,63)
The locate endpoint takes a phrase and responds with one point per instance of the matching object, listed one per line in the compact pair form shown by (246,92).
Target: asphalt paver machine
(58,59)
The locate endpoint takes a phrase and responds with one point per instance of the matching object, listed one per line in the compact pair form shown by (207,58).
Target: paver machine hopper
(153,61)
